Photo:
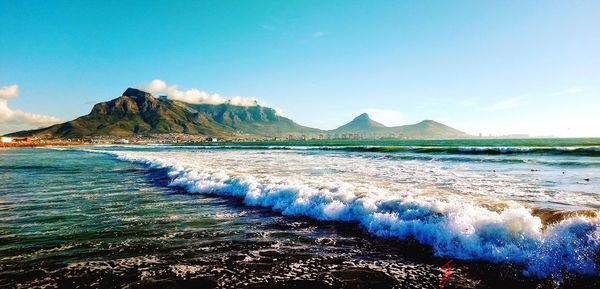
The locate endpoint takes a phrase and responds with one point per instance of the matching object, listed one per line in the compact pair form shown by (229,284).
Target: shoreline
(345,253)
(40,144)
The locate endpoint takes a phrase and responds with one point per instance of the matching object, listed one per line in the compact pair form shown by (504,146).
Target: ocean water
(336,214)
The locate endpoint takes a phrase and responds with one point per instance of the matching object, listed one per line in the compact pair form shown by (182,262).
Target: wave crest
(453,228)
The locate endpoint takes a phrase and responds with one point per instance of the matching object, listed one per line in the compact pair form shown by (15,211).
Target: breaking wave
(461,150)
(492,150)
(455,229)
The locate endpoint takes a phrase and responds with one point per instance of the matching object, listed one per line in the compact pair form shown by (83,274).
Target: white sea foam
(391,199)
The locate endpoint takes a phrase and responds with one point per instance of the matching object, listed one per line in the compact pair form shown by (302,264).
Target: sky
(490,67)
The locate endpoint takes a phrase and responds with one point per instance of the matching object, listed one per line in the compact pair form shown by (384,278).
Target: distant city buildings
(122,141)
(174,138)
(6,139)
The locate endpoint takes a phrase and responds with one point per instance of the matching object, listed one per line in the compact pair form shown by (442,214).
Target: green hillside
(364,125)
(138,112)
(361,124)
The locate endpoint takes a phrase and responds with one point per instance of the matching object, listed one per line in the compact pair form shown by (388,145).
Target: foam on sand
(454,226)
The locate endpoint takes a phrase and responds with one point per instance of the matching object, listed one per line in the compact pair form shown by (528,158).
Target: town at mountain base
(139,113)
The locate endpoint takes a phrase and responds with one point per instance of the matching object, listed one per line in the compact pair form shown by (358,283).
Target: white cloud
(9,91)
(12,120)
(386,116)
(194,95)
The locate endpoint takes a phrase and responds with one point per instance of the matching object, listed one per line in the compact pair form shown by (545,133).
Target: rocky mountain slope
(138,112)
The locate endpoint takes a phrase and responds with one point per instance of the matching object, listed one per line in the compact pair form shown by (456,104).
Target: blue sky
(494,67)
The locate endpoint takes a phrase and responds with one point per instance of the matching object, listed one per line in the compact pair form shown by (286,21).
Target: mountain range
(138,112)
(363,124)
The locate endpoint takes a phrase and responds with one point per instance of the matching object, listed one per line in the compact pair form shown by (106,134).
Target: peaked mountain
(363,124)
(360,124)
(138,112)
(428,128)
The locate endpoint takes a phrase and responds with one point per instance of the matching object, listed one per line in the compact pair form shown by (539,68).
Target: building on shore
(22,139)
(122,141)
(6,139)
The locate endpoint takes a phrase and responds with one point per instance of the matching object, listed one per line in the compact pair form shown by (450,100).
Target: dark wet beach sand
(280,252)
(86,221)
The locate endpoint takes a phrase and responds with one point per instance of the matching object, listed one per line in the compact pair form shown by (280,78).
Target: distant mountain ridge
(138,112)
(363,124)
(360,124)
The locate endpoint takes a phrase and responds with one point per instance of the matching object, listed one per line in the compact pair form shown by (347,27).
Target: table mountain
(138,112)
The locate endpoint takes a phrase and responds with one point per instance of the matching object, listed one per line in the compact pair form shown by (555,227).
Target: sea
(477,213)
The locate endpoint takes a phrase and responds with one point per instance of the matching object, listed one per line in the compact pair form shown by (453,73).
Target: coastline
(40,144)
(324,254)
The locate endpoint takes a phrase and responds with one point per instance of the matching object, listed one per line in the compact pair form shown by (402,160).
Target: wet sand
(76,220)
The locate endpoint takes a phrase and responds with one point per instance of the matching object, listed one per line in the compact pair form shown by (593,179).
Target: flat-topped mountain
(138,112)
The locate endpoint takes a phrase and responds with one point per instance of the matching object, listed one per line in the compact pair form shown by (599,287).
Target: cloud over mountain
(194,95)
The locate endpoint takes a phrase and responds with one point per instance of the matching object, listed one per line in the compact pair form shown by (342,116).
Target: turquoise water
(531,142)
(307,214)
